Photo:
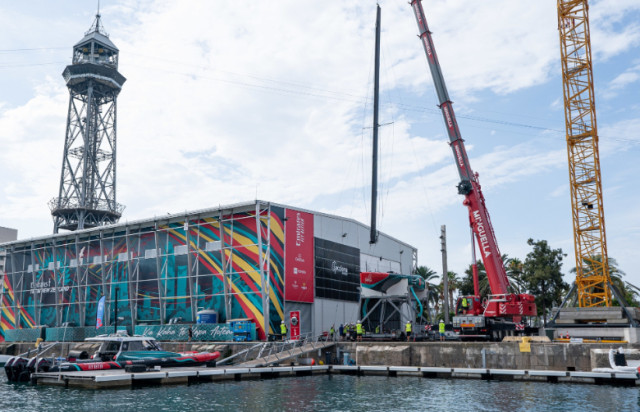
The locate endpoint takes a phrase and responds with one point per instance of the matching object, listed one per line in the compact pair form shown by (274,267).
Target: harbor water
(327,393)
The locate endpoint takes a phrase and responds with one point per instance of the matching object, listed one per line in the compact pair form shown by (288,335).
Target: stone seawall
(503,355)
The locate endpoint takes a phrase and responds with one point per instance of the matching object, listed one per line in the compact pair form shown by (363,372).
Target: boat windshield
(139,345)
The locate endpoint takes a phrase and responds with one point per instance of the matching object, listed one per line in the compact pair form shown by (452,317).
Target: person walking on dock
(407,330)
(283,330)
(359,331)
(441,330)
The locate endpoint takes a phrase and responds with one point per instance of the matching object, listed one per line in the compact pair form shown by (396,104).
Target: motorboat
(117,351)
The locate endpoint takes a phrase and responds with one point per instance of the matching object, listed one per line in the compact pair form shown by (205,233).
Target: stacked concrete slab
(614,315)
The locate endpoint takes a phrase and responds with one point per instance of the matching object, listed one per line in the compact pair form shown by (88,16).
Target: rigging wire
(296,88)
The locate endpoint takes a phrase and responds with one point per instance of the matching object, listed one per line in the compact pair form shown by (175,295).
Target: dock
(183,376)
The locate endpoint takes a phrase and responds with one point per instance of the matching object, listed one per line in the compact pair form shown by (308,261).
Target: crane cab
(473,305)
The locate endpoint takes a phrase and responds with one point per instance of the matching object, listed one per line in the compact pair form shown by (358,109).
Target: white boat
(619,363)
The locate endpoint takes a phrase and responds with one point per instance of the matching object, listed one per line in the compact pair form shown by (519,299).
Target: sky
(230,101)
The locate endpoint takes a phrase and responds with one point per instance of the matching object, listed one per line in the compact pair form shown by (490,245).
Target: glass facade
(158,272)
(337,271)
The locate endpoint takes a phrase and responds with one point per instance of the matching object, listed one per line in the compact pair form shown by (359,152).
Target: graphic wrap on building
(299,256)
(160,272)
(337,270)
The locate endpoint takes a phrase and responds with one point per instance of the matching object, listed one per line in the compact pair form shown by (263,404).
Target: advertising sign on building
(294,322)
(298,256)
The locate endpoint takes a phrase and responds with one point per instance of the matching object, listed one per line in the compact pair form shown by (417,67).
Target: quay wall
(491,355)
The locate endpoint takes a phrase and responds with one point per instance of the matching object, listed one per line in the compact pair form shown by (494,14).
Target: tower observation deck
(87,195)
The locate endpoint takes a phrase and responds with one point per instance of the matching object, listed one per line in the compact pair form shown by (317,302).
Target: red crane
(503,310)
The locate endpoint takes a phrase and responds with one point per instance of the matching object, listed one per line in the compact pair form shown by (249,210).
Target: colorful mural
(158,273)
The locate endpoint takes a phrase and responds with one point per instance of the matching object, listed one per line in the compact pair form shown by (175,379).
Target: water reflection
(328,393)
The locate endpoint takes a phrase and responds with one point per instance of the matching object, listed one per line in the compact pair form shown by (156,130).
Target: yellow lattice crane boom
(592,266)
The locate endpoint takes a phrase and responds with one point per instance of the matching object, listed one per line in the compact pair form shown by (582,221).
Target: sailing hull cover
(381,282)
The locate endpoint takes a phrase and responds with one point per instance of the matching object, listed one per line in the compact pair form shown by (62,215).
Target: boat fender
(78,354)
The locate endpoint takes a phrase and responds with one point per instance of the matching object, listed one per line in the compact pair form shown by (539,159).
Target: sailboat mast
(374,162)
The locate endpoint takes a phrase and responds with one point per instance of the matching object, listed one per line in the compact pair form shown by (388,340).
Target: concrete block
(507,372)
(625,375)
(111,378)
(176,374)
(344,368)
(282,369)
(374,368)
(590,375)
(470,370)
(235,371)
(403,369)
(211,372)
(546,373)
(149,375)
(436,370)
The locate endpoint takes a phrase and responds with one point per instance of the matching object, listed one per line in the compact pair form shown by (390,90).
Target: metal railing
(265,350)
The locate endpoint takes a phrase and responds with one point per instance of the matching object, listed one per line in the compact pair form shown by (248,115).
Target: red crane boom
(502,302)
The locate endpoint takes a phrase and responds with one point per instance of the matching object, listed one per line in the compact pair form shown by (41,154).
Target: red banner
(294,322)
(298,256)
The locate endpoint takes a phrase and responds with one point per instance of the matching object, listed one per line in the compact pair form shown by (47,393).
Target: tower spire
(96,26)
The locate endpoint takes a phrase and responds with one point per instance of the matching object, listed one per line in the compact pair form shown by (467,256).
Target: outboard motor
(43,365)
(16,370)
(8,370)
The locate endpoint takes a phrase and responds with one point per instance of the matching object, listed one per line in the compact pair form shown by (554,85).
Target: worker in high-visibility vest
(332,332)
(283,330)
(359,331)
(465,305)
(407,329)
(441,330)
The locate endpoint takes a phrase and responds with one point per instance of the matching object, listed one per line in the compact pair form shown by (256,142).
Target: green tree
(542,275)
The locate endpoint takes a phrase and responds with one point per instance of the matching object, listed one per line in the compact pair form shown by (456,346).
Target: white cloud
(228,102)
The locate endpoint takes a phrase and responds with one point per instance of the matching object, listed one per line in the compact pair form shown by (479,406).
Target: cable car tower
(592,266)
(87,196)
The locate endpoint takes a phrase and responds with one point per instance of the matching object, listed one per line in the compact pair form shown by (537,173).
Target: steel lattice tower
(87,196)
(592,267)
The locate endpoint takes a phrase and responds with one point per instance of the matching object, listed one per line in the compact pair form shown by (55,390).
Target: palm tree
(432,291)
(515,273)
(452,286)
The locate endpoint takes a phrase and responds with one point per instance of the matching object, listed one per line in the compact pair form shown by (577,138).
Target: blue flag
(100,315)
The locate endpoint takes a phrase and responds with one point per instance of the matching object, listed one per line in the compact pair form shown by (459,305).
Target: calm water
(328,393)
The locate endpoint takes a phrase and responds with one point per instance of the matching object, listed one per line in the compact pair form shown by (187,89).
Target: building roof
(176,217)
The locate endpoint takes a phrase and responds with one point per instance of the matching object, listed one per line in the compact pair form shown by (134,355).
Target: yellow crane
(592,266)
